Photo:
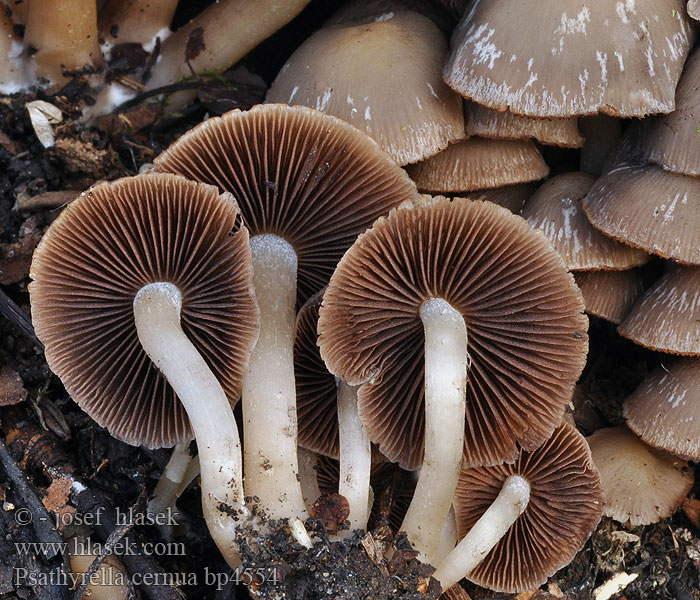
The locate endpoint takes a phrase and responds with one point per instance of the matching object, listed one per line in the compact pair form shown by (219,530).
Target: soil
(51,439)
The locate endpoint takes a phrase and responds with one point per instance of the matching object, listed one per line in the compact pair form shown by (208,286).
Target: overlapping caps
(524,317)
(88,267)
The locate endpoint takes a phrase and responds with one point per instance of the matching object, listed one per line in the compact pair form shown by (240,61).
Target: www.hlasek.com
(108,575)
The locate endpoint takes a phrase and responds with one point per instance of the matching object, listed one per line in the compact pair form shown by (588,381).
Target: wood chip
(11,387)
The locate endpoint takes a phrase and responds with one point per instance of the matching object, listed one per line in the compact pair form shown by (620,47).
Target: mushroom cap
(649,208)
(512,197)
(308,177)
(665,409)
(555,208)
(489,123)
(693,8)
(672,140)
(565,506)
(640,485)
(101,250)
(561,59)
(317,390)
(358,71)
(611,295)
(479,163)
(526,331)
(667,318)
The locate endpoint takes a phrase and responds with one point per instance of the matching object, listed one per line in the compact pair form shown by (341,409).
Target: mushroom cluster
(367,262)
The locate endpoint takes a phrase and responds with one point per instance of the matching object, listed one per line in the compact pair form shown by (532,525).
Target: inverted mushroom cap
(489,123)
(640,485)
(610,295)
(361,72)
(103,248)
(672,140)
(649,208)
(479,163)
(512,197)
(526,331)
(665,409)
(317,391)
(565,506)
(561,59)
(667,317)
(555,208)
(308,177)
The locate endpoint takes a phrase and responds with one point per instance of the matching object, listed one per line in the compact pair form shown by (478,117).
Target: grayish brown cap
(611,295)
(382,75)
(479,163)
(565,506)
(556,209)
(308,177)
(665,409)
(693,8)
(561,59)
(512,197)
(672,140)
(101,250)
(526,331)
(649,208)
(640,485)
(667,317)
(505,125)
(317,390)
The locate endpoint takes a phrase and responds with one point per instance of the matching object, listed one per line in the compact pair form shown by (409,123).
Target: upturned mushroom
(307,184)
(431,293)
(144,271)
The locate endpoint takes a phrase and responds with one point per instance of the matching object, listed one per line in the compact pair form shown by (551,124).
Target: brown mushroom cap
(479,163)
(641,485)
(359,72)
(555,208)
(561,59)
(672,140)
(649,208)
(103,248)
(526,331)
(565,506)
(667,317)
(308,177)
(611,295)
(512,197)
(317,391)
(665,409)
(489,123)
(693,8)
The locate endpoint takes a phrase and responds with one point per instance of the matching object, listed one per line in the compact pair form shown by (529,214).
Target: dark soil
(49,437)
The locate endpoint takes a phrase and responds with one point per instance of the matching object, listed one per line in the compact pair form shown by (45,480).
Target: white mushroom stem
(448,538)
(355,457)
(11,73)
(446,365)
(510,503)
(165,493)
(157,309)
(308,475)
(269,392)
(138,21)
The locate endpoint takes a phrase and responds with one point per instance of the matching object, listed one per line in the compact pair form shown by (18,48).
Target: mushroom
(564,59)
(427,291)
(150,270)
(665,318)
(358,70)
(665,409)
(479,163)
(109,582)
(555,208)
(61,37)
(11,70)
(521,523)
(641,485)
(512,197)
(136,21)
(307,184)
(611,295)
(327,415)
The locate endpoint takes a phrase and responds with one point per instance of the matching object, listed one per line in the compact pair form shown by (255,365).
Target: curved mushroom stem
(137,21)
(269,392)
(157,314)
(170,481)
(448,538)
(355,457)
(446,365)
(308,475)
(510,503)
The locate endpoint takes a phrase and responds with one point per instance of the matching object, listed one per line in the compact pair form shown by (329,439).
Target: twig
(16,316)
